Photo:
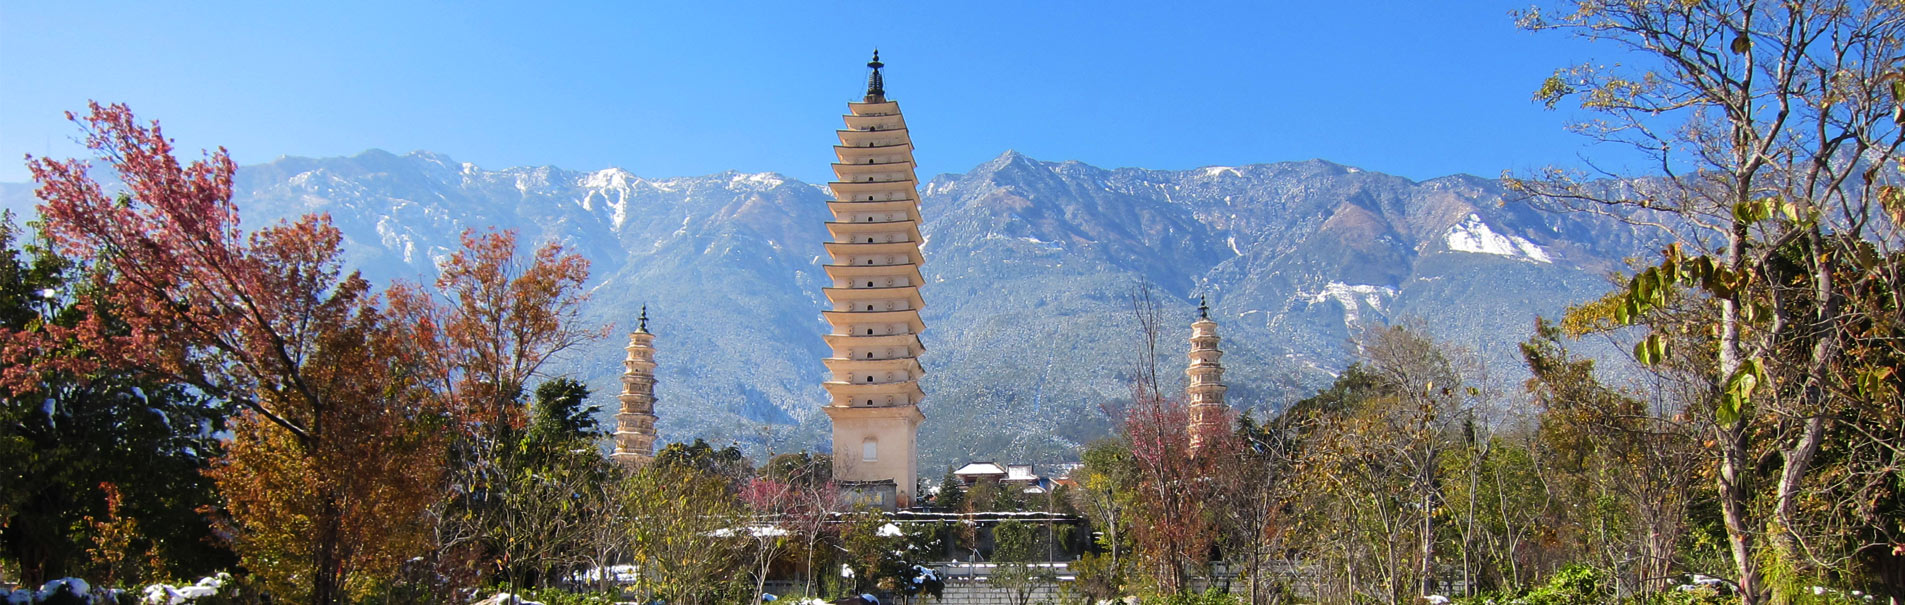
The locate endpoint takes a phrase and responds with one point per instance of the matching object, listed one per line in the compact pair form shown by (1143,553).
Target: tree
(1172,534)
(1372,469)
(540,511)
(1615,446)
(1015,571)
(807,505)
(562,412)
(880,556)
(1775,125)
(799,468)
(346,404)
(699,456)
(486,327)
(604,542)
(1436,392)
(107,444)
(1107,483)
(1249,493)
(349,506)
(685,545)
(492,322)
(264,322)
(770,501)
(952,492)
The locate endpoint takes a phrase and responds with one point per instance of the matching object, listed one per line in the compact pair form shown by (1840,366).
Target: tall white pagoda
(1210,415)
(875,270)
(635,424)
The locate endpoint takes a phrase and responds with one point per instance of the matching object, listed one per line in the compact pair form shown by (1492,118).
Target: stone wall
(978,592)
(968,584)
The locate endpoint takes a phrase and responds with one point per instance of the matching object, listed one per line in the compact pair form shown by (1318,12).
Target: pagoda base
(877,443)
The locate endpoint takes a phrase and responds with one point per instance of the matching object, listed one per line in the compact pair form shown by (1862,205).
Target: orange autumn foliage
(348,405)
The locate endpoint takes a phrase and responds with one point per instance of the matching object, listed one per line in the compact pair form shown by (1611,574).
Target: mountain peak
(374,154)
(1009,159)
(1012,156)
(611,177)
(430,156)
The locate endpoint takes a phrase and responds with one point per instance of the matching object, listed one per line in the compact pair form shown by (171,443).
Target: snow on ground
(758,531)
(166,594)
(620,574)
(75,589)
(1473,235)
(504,598)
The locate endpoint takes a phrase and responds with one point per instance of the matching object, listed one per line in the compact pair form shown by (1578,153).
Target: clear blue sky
(1415,88)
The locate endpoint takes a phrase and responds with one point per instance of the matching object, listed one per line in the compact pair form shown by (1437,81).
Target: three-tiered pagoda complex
(875,270)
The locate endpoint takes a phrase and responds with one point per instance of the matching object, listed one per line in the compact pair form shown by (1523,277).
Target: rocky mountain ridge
(1028,267)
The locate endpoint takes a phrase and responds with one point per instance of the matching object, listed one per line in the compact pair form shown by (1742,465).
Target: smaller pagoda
(635,424)
(1210,416)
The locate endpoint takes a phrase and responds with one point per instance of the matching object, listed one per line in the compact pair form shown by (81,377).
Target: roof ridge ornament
(876,83)
(1203,307)
(642,322)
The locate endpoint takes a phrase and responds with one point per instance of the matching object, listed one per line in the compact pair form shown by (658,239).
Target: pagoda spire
(1210,415)
(876,83)
(874,304)
(635,424)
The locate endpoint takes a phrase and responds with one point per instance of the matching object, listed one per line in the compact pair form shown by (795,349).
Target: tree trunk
(1733,499)
(1427,569)
(326,572)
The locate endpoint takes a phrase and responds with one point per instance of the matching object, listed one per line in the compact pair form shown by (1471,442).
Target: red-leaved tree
(493,321)
(348,405)
(1172,533)
(266,322)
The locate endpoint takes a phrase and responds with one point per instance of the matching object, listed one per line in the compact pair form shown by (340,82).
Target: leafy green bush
(1096,579)
(1574,585)
(1695,596)
(557,596)
(1213,596)
(1489,597)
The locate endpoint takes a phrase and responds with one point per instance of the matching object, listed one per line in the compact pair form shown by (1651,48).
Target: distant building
(875,303)
(972,472)
(635,424)
(1024,476)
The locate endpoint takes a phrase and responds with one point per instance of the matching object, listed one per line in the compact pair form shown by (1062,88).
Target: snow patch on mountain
(760,181)
(1473,235)
(602,182)
(1352,297)
(390,234)
(1215,171)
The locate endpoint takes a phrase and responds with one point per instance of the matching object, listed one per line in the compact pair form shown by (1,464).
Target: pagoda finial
(876,84)
(642,322)
(1203,307)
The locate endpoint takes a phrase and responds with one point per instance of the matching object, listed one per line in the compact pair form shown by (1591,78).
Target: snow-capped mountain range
(1028,268)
